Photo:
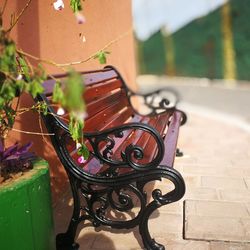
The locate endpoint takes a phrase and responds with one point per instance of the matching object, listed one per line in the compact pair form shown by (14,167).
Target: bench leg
(148,242)
(160,200)
(66,241)
(178,153)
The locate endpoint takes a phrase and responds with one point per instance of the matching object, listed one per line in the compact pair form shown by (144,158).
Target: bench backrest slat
(93,92)
(100,120)
(102,103)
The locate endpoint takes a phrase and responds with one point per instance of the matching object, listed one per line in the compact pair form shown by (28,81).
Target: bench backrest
(105,96)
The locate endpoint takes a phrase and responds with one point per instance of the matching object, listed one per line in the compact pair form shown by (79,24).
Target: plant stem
(30,133)
(18,17)
(62,65)
(3,9)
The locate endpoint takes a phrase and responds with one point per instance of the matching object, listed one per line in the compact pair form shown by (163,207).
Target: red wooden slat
(96,91)
(151,147)
(170,140)
(104,102)
(99,121)
(89,78)
(96,77)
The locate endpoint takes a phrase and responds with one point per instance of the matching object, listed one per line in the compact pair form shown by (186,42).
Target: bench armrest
(107,146)
(150,104)
(153,103)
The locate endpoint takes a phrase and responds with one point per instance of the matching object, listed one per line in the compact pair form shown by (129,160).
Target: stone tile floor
(215,211)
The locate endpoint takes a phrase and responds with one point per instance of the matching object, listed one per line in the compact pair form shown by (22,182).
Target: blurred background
(202,48)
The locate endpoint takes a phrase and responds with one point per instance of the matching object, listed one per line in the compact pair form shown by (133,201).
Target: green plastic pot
(26,213)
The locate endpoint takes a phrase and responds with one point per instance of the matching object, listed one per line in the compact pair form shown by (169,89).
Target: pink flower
(81,160)
(58,5)
(80,18)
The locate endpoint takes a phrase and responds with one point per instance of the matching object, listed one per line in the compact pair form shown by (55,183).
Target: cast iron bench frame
(98,189)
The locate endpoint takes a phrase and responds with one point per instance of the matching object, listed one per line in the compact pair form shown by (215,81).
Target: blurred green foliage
(198,46)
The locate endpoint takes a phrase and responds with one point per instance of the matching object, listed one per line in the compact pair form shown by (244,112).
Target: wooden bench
(128,150)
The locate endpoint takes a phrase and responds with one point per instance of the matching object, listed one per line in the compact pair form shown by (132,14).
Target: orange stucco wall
(55,35)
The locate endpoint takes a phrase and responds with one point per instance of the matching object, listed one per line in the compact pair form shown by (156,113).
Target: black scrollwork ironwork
(124,204)
(104,142)
(154,103)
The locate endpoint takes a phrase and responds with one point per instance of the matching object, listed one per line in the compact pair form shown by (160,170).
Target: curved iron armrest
(132,154)
(157,102)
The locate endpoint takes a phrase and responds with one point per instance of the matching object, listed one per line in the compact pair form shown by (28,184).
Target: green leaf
(75,128)
(83,151)
(8,90)
(73,92)
(58,95)
(102,56)
(75,5)
(35,87)
(42,107)
(24,68)
(10,114)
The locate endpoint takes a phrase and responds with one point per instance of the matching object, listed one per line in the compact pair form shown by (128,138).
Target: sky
(151,15)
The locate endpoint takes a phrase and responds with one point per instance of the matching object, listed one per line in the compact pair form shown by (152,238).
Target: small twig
(18,17)
(4,6)
(43,137)
(30,133)
(17,104)
(62,65)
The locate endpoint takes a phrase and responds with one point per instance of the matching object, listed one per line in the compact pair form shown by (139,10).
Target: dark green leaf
(75,5)
(76,128)
(102,56)
(58,95)
(74,89)
(83,151)
(35,87)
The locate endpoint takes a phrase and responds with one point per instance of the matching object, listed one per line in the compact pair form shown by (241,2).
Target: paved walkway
(215,211)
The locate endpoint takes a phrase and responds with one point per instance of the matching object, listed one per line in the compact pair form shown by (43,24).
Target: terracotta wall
(55,35)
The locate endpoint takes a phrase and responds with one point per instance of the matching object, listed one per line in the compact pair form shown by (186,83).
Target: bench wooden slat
(90,78)
(96,91)
(99,121)
(151,146)
(100,76)
(171,138)
(104,102)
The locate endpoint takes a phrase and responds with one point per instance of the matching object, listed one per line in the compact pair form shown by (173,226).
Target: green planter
(26,213)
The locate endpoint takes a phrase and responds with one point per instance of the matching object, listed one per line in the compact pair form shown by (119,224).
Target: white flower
(60,111)
(19,77)
(78,145)
(58,5)
(80,18)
